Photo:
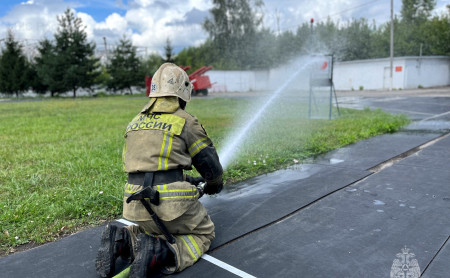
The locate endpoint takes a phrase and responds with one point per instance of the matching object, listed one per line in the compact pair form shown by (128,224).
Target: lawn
(60,160)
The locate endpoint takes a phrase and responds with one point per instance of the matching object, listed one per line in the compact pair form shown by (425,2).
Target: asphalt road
(371,209)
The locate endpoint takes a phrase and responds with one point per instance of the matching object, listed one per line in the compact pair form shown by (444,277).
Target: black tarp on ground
(73,256)
(366,220)
(355,232)
(234,213)
(440,266)
(373,151)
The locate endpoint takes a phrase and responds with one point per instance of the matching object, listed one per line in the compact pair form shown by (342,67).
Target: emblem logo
(405,266)
(154,87)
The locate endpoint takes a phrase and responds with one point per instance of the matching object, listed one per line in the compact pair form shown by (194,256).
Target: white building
(373,74)
(408,73)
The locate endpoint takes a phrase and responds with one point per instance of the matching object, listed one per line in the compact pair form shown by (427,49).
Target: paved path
(348,214)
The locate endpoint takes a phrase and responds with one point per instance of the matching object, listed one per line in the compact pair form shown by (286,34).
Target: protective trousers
(193,231)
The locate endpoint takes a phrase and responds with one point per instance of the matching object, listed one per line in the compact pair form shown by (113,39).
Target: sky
(149,23)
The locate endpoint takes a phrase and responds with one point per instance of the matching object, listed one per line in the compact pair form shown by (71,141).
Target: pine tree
(125,67)
(14,68)
(46,76)
(168,51)
(74,55)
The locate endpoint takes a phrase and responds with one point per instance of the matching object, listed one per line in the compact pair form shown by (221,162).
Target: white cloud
(90,24)
(29,21)
(114,22)
(154,22)
(29,2)
(148,23)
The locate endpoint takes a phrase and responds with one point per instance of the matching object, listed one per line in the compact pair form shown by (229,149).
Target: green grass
(60,160)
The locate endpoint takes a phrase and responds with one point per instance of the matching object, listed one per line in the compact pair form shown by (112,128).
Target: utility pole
(392,45)
(310,72)
(278,21)
(106,46)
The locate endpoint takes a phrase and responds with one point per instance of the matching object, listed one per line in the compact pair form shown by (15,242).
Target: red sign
(398,69)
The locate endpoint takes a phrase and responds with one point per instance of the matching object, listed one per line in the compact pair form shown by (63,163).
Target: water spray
(229,150)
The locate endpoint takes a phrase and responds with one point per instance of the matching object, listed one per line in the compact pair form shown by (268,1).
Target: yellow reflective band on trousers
(192,246)
(124,152)
(165,193)
(129,190)
(163,160)
(198,146)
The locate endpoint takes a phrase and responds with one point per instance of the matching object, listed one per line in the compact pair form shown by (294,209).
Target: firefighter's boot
(152,254)
(115,242)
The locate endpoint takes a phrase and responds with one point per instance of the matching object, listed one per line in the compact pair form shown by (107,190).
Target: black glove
(194,180)
(212,188)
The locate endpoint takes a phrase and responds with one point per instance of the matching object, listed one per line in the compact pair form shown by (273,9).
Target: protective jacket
(165,140)
(164,137)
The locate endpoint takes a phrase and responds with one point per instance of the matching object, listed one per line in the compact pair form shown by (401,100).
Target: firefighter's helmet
(171,80)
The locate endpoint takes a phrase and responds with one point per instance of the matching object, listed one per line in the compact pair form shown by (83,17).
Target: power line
(349,9)
(335,14)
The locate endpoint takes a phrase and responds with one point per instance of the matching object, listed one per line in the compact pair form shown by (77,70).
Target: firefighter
(161,142)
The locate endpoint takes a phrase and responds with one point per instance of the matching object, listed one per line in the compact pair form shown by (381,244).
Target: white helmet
(171,80)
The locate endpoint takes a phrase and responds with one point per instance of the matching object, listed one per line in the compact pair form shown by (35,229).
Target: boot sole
(105,261)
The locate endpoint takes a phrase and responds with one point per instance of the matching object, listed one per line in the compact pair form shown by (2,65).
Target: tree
(232,28)
(35,82)
(103,78)
(74,55)
(125,67)
(151,64)
(436,36)
(329,39)
(269,49)
(168,52)
(196,57)
(380,43)
(417,11)
(302,36)
(14,67)
(238,41)
(357,40)
(45,74)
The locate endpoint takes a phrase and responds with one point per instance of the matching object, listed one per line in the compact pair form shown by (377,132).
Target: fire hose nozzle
(201,189)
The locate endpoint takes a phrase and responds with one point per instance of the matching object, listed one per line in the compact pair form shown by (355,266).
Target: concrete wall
(239,81)
(374,74)
(409,73)
(428,72)
(231,81)
(371,75)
